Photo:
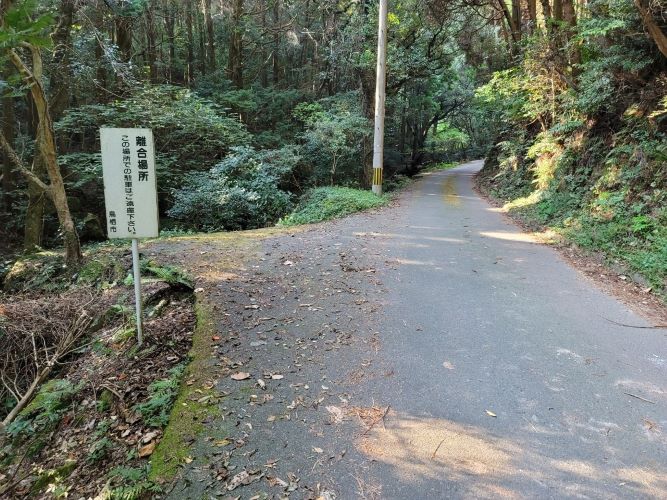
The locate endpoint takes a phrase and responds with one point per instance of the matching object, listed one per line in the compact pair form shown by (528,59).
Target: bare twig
(639,397)
(376,421)
(653,327)
(38,336)
(436,449)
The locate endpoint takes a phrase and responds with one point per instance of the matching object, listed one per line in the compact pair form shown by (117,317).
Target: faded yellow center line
(449,192)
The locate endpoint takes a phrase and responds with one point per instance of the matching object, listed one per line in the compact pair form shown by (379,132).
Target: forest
(253,104)
(262,113)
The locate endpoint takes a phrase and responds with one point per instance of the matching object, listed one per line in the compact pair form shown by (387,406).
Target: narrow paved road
(433,350)
(482,319)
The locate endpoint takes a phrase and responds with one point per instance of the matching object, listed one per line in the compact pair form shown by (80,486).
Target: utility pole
(380,96)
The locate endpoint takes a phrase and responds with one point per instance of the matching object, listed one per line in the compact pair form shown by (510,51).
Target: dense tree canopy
(260,101)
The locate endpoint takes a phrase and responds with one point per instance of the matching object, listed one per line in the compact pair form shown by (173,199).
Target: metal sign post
(137,290)
(130,194)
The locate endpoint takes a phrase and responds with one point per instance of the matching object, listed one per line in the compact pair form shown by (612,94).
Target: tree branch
(654,30)
(22,169)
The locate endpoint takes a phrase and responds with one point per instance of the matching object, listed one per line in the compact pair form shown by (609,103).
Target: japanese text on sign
(130,190)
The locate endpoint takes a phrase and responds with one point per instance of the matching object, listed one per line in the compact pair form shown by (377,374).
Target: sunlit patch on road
(510,236)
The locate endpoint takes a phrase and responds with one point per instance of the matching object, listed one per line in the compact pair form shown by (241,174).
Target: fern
(134,484)
(168,274)
(155,411)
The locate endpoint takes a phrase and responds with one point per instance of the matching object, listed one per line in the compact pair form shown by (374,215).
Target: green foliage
(21,25)
(169,274)
(436,167)
(54,478)
(191,133)
(161,395)
(41,271)
(334,131)
(45,410)
(266,112)
(325,203)
(396,183)
(241,192)
(447,139)
(130,483)
(100,269)
(100,449)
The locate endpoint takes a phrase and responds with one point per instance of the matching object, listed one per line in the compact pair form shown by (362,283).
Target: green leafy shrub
(161,395)
(45,410)
(331,142)
(320,204)
(191,134)
(242,192)
(129,483)
(169,274)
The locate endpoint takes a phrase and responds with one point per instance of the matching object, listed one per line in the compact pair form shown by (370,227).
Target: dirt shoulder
(285,337)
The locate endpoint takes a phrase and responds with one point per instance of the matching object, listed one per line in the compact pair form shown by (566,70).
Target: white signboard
(130,187)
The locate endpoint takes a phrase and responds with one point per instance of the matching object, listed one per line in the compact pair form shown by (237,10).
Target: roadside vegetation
(83,406)
(583,148)
(326,203)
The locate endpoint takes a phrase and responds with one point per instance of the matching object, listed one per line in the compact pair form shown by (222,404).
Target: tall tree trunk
(202,45)
(532,15)
(190,71)
(151,43)
(61,76)
(275,57)
(33,224)
(170,30)
(123,26)
(570,18)
(507,14)
(654,30)
(210,35)
(46,148)
(516,19)
(235,62)
(557,10)
(100,70)
(546,12)
(263,74)
(8,119)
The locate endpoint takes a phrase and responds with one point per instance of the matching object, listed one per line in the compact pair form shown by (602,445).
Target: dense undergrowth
(589,159)
(102,401)
(328,203)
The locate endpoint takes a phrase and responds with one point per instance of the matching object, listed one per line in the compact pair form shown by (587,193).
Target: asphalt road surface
(516,368)
(434,350)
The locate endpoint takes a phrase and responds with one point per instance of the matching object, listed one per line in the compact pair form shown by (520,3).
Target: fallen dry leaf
(276,481)
(277,377)
(240,376)
(147,451)
(318,450)
(243,478)
(336,414)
